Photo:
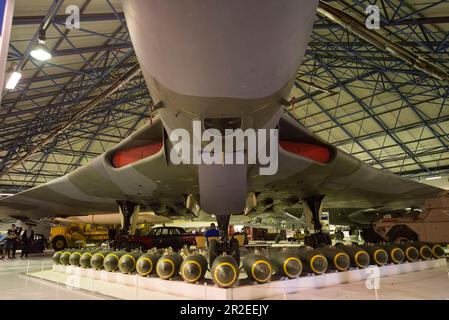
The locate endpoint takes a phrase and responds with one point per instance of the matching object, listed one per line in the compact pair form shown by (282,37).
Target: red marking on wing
(131,155)
(310,151)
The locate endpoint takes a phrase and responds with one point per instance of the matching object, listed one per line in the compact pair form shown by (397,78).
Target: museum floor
(15,284)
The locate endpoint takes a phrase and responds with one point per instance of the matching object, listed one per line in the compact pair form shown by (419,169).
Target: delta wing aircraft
(226,65)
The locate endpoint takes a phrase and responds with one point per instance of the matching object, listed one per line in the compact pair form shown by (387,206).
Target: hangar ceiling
(366,101)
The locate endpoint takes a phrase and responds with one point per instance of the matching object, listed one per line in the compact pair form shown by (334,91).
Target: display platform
(112,283)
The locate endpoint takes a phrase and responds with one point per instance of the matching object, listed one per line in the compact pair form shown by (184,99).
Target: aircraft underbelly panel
(235,49)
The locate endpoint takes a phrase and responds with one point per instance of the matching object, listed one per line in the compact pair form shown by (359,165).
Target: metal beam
(114,87)
(85,17)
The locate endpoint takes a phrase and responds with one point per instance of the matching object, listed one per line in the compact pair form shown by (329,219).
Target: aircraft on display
(364,218)
(225,65)
(264,220)
(40,226)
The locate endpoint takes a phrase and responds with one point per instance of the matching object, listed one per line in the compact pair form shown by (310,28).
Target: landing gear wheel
(234,250)
(212,251)
(371,236)
(318,240)
(59,243)
(402,235)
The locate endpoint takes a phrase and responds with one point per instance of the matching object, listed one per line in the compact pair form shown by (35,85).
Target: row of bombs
(225,270)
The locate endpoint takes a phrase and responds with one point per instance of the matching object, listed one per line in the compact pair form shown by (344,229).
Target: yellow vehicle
(77,235)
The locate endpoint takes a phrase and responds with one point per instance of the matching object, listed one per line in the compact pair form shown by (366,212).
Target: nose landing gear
(224,255)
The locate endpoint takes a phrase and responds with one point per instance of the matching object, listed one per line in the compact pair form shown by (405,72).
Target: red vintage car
(163,237)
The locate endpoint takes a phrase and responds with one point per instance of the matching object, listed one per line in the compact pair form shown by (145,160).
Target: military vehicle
(428,225)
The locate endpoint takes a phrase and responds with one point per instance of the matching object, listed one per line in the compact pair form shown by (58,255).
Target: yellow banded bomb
(395,254)
(193,268)
(224,271)
(378,256)
(86,258)
(410,252)
(146,264)
(127,262)
(74,259)
(97,259)
(286,264)
(64,259)
(336,258)
(168,265)
(258,268)
(111,261)
(359,257)
(425,252)
(313,261)
(56,257)
(437,250)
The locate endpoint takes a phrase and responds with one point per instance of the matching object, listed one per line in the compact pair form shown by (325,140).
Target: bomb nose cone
(97,261)
(318,264)
(292,267)
(381,257)
(438,251)
(397,255)
(74,259)
(56,257)
(258,268)
(165,268)
(85,260)
(65,258)
(286,264)
(362,259)
(193,268)
(358,256)
(261,271)
(191,271)
(110,263)
(225,275)
(146,264)
(144,267)
(127,264)
(342,261)
(224,271)
(425,252)
(168,265)
(412,254)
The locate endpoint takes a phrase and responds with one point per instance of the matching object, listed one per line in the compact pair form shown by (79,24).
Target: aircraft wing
(309,166)
(94,188)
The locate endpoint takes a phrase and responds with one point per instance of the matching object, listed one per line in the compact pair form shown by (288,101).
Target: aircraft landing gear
(313,209)
(129,213)
(224,255)
(223,245)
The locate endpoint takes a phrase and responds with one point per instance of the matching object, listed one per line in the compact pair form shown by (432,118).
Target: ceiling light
(40,51)
(13,80)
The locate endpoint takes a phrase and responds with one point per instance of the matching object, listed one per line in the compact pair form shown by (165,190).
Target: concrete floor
(14,284)
(423,285)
